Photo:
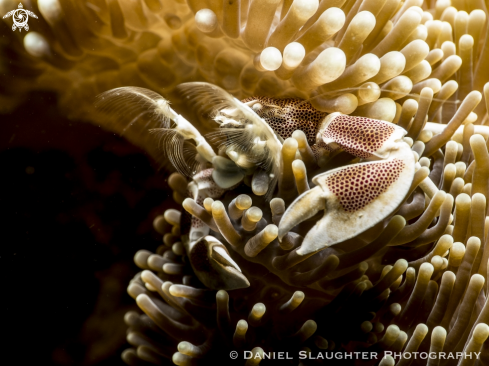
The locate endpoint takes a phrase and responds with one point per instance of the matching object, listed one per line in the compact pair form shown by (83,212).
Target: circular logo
(20,18)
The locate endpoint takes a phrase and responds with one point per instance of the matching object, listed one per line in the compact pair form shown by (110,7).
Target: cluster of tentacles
(361,57)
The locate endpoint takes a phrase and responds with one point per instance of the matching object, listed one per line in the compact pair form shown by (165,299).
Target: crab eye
(256,107)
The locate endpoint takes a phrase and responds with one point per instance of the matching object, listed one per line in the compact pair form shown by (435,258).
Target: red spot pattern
(197,223)
(287,115)
(359,136)
(205,177)
(356,186)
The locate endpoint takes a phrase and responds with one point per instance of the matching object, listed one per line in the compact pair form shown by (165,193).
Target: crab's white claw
(304,207)
(360,136)
(314,240)
(214,266)
(354,197)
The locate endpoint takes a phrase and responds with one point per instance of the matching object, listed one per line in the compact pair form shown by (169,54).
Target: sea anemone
(367,110)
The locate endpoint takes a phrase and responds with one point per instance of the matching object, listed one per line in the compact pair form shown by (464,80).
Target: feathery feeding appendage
(140,110)
(185,129)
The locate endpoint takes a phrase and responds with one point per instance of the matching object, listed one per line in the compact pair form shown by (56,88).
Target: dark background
(76,203)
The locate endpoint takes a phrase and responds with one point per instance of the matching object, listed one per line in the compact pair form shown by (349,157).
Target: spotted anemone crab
(273,273)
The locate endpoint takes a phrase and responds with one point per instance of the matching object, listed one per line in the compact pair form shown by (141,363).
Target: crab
(257,133)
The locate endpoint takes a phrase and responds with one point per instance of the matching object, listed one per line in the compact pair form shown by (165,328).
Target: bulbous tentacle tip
(304,207)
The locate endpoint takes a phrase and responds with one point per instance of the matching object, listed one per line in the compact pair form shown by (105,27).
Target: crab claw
(304,207)
(214,266)
(360,136)
(354,197)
